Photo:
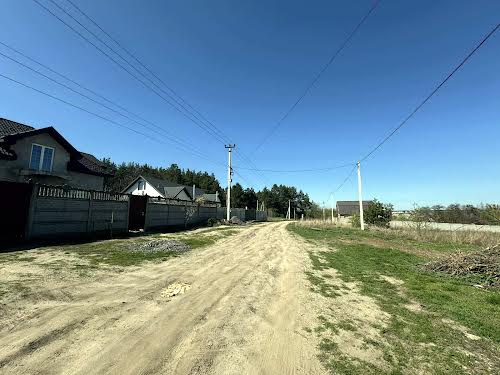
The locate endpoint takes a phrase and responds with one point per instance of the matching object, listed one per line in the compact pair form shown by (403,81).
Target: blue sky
(243,64)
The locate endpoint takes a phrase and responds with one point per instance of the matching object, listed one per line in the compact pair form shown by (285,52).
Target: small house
(350,208)
(45,156)
(156,187)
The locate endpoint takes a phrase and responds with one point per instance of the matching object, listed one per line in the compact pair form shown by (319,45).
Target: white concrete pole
(229,173)
(289,211)
(332,209)
(361,220)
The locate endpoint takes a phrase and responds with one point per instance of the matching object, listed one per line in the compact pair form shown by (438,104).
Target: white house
(155,187)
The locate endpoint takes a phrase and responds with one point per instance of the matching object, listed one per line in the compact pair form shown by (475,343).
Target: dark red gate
(137,212)
(14,211)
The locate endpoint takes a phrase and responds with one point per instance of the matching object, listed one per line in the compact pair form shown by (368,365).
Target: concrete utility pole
(229,180)
(332,208)
(257,205)
(361,220)
(289,210)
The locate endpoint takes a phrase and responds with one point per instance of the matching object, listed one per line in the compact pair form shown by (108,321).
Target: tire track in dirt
(244,314)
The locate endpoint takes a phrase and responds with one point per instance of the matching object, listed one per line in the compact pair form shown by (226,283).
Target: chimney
(216,196)
(194,192)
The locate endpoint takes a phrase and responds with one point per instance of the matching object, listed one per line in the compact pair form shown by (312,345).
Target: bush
(355,222)
(211,222)
(378,214)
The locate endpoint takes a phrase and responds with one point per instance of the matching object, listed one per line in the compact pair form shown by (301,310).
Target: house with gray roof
(349,208)
(156,187)
(43,155)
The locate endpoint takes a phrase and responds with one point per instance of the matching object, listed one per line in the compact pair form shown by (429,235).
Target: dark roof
(348,208)
(211,197)
(88,163)
(161,184)
(11,131)
(173,191)
(8,127)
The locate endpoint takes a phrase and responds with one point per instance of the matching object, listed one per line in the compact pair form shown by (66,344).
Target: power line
(297,170)
(90,112)
(146,68)
(345,180)
(243,157)
(181,144)
(209,128)
(432,93)
(318,76)
(185,113)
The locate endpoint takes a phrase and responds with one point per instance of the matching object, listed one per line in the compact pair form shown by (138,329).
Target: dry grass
(483,239)
(478,238)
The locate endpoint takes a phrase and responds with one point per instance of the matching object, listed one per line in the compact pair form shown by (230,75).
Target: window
(41,158)
(142,185)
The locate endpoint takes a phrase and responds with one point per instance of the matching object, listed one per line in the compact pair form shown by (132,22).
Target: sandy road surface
(244,313)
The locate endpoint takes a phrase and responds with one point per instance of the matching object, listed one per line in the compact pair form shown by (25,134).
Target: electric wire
(318,76)
(433,92)
(184,112)
(92,113)
(210,128)
(180,144)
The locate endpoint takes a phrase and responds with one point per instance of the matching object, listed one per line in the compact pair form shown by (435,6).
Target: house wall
(18,170)
(11,169)
(150,190)
(86,181)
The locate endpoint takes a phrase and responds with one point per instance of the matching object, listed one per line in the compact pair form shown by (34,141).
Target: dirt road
(241,308)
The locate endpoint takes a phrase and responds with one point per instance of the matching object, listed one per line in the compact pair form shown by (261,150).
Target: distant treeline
(486,214)
(125,173)
(275,199)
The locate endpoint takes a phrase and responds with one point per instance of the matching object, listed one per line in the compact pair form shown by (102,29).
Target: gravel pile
(163,245)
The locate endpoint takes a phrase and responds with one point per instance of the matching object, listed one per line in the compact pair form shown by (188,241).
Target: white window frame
(41,157)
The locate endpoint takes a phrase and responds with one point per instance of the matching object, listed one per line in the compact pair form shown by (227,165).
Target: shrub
(378,214)
(211,222)
(355,222)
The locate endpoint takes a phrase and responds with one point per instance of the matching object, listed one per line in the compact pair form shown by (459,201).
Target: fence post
(89,212)
(146,213)
(31,212)
(128,213)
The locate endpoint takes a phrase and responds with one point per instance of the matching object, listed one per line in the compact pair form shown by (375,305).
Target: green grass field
(433,319)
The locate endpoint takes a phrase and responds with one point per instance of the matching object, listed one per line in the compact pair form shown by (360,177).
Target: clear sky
(242,64)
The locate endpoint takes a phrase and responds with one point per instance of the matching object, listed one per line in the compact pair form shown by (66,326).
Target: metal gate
(137,212)
(14,211)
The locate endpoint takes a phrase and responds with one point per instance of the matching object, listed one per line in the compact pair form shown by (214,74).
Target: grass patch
(411,338)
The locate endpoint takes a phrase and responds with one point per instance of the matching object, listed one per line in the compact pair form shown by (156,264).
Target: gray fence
(59,211)
(242,214)
(162,213)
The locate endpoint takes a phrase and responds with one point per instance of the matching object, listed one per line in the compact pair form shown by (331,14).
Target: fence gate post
(31,212)
(89,213)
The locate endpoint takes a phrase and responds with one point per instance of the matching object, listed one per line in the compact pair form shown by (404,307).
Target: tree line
(125,173)
(461,214)
(275,199)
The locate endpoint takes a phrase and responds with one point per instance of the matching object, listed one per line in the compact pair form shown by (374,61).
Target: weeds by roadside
(387,315)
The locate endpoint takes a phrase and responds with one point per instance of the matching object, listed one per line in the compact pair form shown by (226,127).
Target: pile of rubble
(160,245)
(484,265)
